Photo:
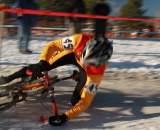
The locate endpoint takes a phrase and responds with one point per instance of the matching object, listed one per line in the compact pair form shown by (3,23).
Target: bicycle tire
(7,100)
(5,106)
(8,104)
(10,88)
(4,98)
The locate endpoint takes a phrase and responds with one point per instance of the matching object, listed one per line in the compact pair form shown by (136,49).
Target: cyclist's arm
(87,96)
(58,48)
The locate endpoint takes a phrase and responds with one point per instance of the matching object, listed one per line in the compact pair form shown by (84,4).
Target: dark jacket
(101,24)
(27,19)
(77,6)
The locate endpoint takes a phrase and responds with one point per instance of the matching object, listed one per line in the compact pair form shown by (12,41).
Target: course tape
(63,14)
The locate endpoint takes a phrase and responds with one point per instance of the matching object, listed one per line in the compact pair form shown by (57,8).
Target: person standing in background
(26,22)
(78,6)
(100,25)
(2,15)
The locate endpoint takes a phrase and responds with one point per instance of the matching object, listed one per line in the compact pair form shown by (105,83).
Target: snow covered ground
(136,55)
(129,55)
(128,98)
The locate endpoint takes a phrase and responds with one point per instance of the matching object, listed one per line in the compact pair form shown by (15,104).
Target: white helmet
(97,52)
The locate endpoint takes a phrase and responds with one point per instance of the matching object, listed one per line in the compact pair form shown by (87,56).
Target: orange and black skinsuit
(65,51)
(68,50)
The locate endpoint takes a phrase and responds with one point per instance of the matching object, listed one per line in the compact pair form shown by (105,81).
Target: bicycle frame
(28,87)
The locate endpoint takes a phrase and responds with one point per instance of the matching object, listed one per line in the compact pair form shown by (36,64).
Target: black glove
(58,120)
(38,68)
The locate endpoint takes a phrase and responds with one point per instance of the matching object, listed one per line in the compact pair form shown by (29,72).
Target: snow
(110,111)
(136,55)
(129,55)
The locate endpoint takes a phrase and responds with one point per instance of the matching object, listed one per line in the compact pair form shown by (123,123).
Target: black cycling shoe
(25,51)
(4,80)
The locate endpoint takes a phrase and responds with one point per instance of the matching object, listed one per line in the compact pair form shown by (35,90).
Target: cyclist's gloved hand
(58,120)
(34,71)
(38,68)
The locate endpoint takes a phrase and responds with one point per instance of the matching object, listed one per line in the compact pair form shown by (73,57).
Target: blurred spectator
(2,16)
(148,32)
(116,32)
(26,22)
(134,34)
(100,25)
(2,5)
(78,6)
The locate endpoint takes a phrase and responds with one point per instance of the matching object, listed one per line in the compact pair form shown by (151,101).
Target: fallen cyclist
(89,54)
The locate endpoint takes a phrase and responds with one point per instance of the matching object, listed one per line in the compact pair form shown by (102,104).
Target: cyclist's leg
(81,81)
(65,60)
(68,59)
(18,74)
(82,77)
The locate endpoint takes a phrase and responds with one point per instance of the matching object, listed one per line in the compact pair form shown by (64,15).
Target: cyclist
(90,55)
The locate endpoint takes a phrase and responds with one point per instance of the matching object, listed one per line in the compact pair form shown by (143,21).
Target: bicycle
(42,87)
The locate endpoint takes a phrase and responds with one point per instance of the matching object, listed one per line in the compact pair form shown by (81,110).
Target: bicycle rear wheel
(9,100)
(5,99)
(8,96)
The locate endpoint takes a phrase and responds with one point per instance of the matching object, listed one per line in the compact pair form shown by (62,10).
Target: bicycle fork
(54,107)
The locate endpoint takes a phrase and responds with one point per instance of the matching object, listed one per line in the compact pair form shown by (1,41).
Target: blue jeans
(24,34)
